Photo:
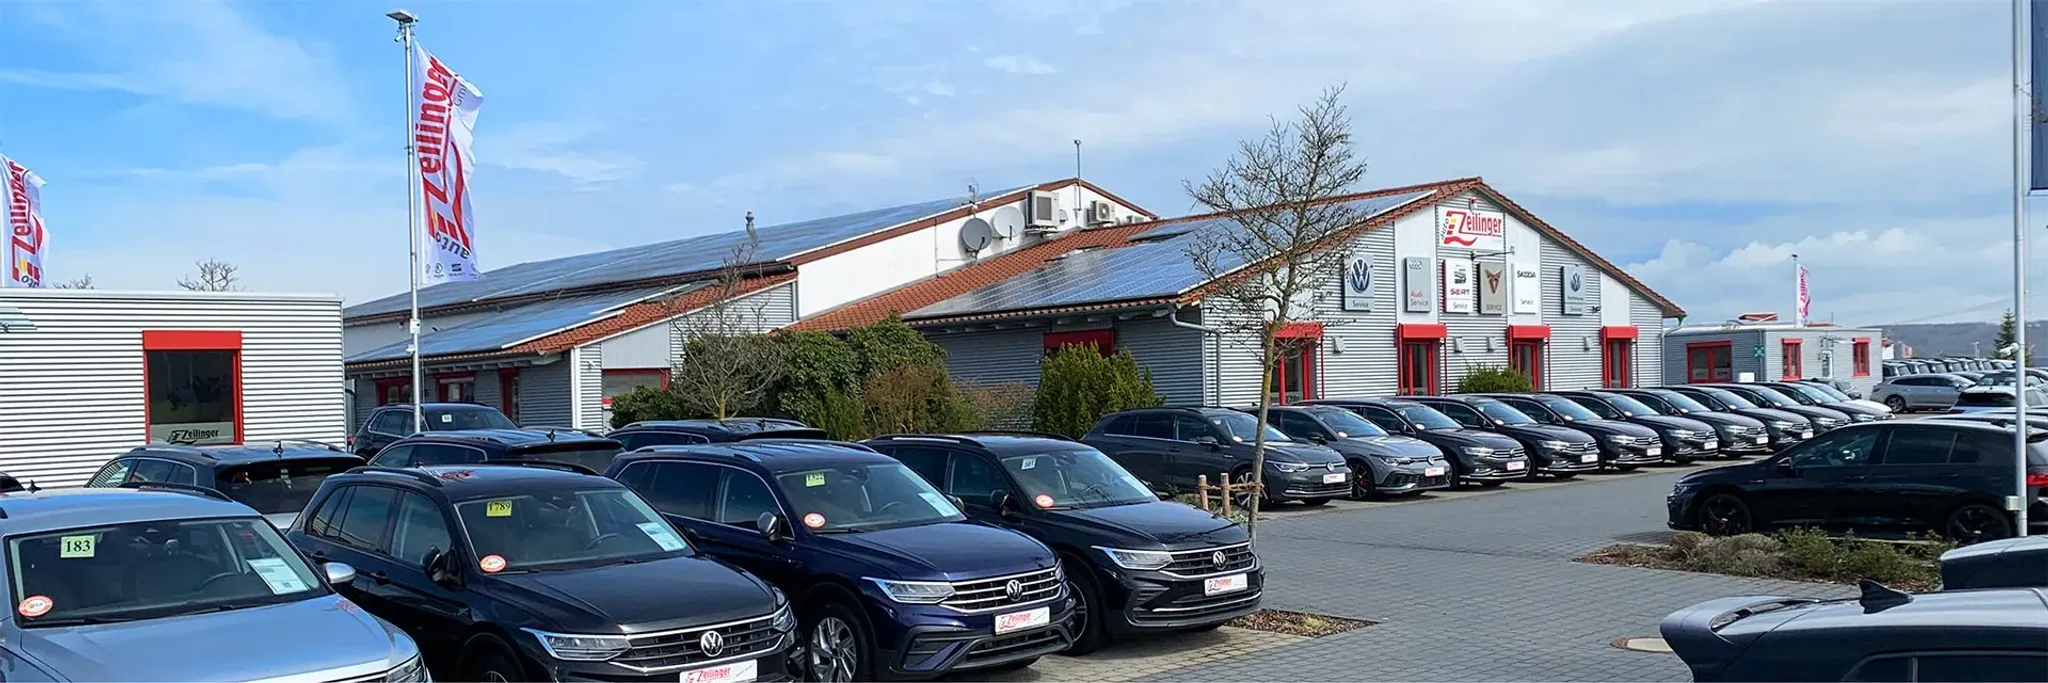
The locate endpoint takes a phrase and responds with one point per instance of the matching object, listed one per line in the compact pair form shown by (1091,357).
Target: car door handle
(318,555)
(379,577)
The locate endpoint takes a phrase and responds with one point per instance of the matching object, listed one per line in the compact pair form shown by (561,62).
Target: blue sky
(1697,142)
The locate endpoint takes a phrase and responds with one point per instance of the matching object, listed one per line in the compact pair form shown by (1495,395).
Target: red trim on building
(1727,348)
(1421,331)
(389,382)
(1418,364)
(1619,332)
(1103,339)
(508,393)
(1859,348)
(1299,330)
(441,382)
(1528,331)
(1617,359)
(1532,350)
(1791,361)
(196,340)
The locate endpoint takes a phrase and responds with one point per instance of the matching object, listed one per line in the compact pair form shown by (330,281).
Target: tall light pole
(412,212)
(2022,125)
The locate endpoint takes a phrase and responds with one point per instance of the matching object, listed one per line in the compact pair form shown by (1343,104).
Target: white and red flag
(444,108)
(21,202)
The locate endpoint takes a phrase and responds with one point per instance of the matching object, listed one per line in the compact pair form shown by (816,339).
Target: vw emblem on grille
(711,643)
(1217,558)
(1013,589)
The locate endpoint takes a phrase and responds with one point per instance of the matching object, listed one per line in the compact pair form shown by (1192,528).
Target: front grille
(1319,489)
(672,649)
(1198,563)
(1587,448)
(1505,454)
(1004,646)
(1197,605)
(1402,480)
(982,595)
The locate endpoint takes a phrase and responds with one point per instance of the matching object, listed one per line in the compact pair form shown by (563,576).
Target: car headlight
(1620,439)
(784,619)
(1142,560)
(915,592)
(1553,445)
(1862,417)
(1477,450)
(1289,467)
(1785,425)
(581,648)
(412,671)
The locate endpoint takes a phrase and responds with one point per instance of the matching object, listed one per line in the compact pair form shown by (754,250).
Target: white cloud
(557,148)
(1019,64)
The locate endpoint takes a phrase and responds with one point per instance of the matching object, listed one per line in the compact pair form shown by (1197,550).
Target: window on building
(508,393)
(1104,341)
(1617,364)
(1526,356)
(1294,371)
(1859,358)
(1418,371)
(622,382)
(456,389)
(393,391)
(193,386)
(1709,362)
(1789,359)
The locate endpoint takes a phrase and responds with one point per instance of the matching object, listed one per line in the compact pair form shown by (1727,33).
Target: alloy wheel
(1976,523)
(834,654)
(1242,500)
(1898,405)
(494,677)
(1724,515)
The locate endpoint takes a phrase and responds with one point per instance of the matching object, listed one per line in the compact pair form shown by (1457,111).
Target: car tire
(1976,522)
(1362,486)
(1724,514)
(833,630)
(1314,502)
(1243,475)
(492,665)
(1624,468)
(1088,620)
(1897,404)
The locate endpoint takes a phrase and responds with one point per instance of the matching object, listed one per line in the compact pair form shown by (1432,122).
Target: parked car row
(1923,366)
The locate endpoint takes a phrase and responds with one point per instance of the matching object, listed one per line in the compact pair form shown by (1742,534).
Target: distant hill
(1954,339)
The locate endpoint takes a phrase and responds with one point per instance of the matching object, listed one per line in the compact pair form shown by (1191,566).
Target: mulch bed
(1297,623)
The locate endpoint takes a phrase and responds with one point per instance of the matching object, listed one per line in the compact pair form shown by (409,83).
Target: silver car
(1934,391)
(134,585)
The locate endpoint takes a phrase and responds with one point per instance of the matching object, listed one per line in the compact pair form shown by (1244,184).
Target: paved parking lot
(1468,586)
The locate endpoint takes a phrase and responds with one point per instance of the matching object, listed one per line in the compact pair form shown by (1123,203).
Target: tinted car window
(279,486)
(1886,670)
(1189,428)
(1348,424)
(929,463)
(362,523)
(1985,398)
(1918,446)
(1837,449)
(426,454)
(596,456)
(679,488)
(1296,425)
(746,497)
(1153,426)
(164,471)
(113,473)
(973,478)
(1385,419)
(164,569)
(324,519)
(421,527)
(467,418)
(1980,667)
(864,497)
(1462,413)
(1598,407)
(392,422)
(1120,424)
(395,456)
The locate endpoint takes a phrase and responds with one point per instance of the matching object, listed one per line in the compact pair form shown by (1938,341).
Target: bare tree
(80,282)
(214,275)
(726,363)
(1266,263)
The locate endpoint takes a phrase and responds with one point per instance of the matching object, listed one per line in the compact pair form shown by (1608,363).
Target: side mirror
(1004,503)
(436,566)
(1319,438)
(338,573)
(955,500)
(773,527)
(1785,467)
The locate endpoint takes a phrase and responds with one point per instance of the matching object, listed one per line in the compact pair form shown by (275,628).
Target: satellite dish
(975,235)
(1007,221)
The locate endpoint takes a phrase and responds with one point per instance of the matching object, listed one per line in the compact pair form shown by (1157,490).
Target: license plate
(1590,458)
(1018,621)
(1711,445)
(1333,478)
(1433,472)
(1517,466)
(1653,450)
(1225,584)
(736,672)
(1808,434)
(1761,440)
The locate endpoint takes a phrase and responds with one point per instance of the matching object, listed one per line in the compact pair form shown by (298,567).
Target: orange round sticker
(491,564)
(35,606)
(814,520)
(1043,500)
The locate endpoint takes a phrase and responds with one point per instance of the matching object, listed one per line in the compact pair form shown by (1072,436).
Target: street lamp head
(403,17)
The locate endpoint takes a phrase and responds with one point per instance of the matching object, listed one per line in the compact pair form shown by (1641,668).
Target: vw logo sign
(1013,589)
(1575,282)
(711,643)
(1359,276)
(1217,558)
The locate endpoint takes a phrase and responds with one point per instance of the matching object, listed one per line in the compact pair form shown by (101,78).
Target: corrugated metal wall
(1001,356)
(1358,355)
(994,356)
(71,391)
(1572,366)
(586,372)
(1649,321)
(1172,353)
(1235,355)
(544,394)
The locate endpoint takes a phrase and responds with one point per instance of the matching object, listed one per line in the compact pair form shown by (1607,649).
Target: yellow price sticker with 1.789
(498,508)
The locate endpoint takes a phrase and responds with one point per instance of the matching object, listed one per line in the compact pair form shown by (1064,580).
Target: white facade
(75,390)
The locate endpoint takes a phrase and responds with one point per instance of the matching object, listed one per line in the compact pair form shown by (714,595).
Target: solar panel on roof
(514,325)
(1367,208)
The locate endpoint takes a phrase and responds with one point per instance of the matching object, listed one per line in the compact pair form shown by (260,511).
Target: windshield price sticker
(498,508)
(661,536)
(76,547)
(34,606)
(938,502)
(491,564)
(276,574)
(447,418)
(1028,464)
(814,520)
(814,480)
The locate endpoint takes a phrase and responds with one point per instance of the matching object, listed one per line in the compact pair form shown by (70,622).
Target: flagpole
(2022,120)
(412,214)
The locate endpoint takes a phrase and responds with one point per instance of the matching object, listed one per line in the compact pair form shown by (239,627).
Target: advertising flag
(21,201)
(444,108)
(1805,299)
(2037,120)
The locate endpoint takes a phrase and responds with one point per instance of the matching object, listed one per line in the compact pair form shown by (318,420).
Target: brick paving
(1138,658)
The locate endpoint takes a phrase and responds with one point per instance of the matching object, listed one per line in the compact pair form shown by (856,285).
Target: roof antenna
(551,430)
(973,195)
(1877,597)
(278,449)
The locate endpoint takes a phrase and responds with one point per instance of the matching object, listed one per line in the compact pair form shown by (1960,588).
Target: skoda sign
(1358,282)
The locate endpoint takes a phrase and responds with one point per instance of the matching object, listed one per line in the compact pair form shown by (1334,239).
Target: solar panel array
(690,254)
(1368,208)
(511,326)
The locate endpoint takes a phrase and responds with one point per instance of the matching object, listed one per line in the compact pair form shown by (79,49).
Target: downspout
(1215,365)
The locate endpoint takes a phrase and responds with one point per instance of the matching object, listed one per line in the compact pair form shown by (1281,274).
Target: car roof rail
(811,433)
(281,443)
(176,487)
(805,442)
(948,438)
(542,464)
(1019,432)
(420,475)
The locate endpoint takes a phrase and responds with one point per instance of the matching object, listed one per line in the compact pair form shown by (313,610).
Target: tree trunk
(1251,522)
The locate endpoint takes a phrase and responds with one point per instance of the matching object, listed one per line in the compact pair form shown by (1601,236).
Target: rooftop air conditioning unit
(1101,213)
(1041,212)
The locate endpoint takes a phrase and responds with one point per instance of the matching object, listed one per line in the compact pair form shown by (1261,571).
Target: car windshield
(1428,419)
(1242,427)
(1079,478)
(1798,395)
(1347,424)
(1985,398)
(1503,413)
(445,419)
(596,455)
(1684,402)
(864,497)
(277,486)
(1568,408)
(1829,391)
(566,529)
(149,570)
(1731,398)
(1771,397)
(1629,406)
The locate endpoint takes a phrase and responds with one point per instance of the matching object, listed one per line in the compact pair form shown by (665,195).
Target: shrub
(1811,552)
(916,397)
(814,363)
(1078,385)
(1481,379)
(1745,555)
(1001,406)
(647,403)
(890,344)
(840,414)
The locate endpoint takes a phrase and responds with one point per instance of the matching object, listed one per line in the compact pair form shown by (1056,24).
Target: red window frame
(196,340)
(1525,351)
(508,393)
(384,387)
(1790,360)
(442,381)
(1310,369)
(1103,339)
(1724,349)
(1424,342)
(1860,346)
(1617,357)
(636,372)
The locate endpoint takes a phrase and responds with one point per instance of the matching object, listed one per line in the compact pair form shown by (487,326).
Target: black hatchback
(1138,564)
(1171,449)
(1555,451)
(1685,439)
(1623,446)
(640,435)
(533,573)
(389,423)
(469,447)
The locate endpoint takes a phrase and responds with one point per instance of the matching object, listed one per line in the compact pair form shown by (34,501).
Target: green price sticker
(73,547)
(814,479)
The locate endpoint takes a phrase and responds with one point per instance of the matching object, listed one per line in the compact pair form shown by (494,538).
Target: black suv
(474,446)
(1168,448)
(1885,635)
(390,423)
(891,580)
(532,573)
(1823,419)
(1949,477)
(1381,463)
(1685,439)
(1556,451)
(1738,434)
(684,432)
(1623,446)
(1137,563)
(277,478)
(1784,428)
(1476,457)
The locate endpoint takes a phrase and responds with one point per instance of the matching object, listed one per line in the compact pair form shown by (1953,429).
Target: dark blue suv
(890,580)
